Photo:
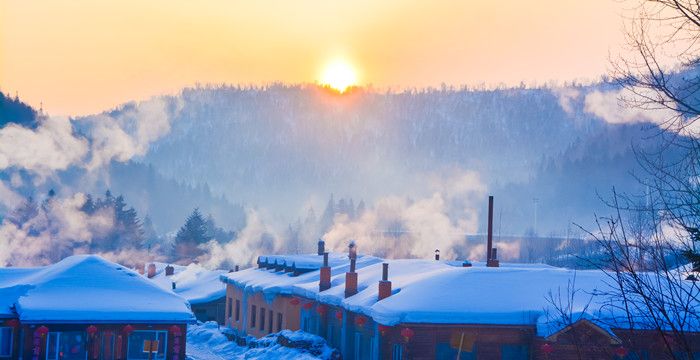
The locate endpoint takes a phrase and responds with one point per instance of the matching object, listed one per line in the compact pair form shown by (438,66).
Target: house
(198,285)
(371,308)
(85,307)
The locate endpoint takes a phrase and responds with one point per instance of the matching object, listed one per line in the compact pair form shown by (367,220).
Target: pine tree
(192,234)
(693,255)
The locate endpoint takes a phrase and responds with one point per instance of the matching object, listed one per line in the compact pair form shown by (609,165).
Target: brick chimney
(321,247)
(352,250)
(351,280)
(169,270)
(491,255)
(140,268)
(325,278)
(151,270)
(384,284)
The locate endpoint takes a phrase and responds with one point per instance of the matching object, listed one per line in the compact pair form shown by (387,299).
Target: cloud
(130,132)
(400,227)
(256,238)
(57,145)
(52,146)
(566,96)
(615,107)
(59,230)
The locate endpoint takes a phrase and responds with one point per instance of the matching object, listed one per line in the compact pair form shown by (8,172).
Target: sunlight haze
(80,57)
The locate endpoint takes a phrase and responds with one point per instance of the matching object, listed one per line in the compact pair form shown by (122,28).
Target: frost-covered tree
(190,236)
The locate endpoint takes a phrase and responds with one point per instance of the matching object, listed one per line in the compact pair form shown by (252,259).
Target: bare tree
(649,290)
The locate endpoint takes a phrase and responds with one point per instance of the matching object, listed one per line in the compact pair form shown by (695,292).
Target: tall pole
(489,234)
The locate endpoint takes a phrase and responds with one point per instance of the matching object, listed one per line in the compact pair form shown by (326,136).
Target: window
(5,341)
(397,352)
(515,352)
(279,322)
(269,327)
(107,345)
(262,319)
(68,345)
(448,351)
(358,347)
(140,340)
(238,310)
(253,312)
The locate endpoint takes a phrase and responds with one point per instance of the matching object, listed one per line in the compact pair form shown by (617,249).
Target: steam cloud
(256,238)
(417,227)
(58,144)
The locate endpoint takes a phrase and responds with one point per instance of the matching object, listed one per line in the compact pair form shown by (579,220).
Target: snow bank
(207,342)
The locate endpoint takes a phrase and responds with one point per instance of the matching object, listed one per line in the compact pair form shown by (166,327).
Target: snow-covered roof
(193,282)
(426,291)
(88,288)
(273,282)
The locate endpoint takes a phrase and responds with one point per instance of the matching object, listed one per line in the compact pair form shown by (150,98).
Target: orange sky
(79,57)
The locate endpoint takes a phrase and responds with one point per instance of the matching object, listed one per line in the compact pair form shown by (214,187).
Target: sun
(339,75)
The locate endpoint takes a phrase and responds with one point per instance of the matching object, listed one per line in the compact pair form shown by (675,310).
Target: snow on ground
(207,342)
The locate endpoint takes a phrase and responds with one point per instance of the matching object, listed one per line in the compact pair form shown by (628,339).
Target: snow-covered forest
(285,164)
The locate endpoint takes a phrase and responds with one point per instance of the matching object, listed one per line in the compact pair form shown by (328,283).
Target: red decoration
(294,301)
(308,305)
(128,329)
(12,323)
(176,330)
(42,330)
(339,315)
(383,329)
(407,333)
(360,320)
(322,309)
(547,348)
(621,351)
(91,330)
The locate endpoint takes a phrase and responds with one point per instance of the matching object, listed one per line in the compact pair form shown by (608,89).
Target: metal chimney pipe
(325,259)
(385,271)
(489,235)
(352,265)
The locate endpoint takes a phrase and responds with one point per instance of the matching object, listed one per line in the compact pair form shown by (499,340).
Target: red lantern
(294,301)
(91,330)
(339,315)
(12,323)
(547,348)
(322,309)
(176,330)
(42,330)
(308,305)
(360,320)
(407,333)
(621,351)
(128,329)
(383,329)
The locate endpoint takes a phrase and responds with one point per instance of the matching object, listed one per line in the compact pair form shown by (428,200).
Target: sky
(77,57)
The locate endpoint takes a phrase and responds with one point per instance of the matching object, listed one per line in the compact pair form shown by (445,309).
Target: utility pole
(537,203)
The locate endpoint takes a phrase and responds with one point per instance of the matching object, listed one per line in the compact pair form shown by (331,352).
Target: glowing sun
(339,75)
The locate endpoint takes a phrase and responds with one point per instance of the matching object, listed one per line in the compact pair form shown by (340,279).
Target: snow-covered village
(327,180)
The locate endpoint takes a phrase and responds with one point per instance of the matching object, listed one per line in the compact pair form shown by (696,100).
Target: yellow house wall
(280,304)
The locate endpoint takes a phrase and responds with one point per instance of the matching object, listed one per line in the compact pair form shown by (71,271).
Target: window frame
(253,313)
(12,340)
(263,312)
(57,340)
(156,356)
(238,310)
